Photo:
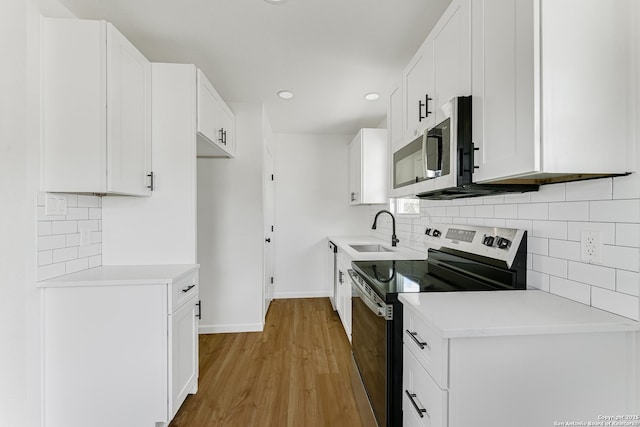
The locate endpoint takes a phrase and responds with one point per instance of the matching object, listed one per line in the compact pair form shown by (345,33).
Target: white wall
(230,230)
(311,203)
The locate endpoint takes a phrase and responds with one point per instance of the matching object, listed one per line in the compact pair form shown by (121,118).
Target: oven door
(369,344)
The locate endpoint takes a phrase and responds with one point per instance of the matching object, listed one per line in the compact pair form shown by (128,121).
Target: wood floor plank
(294,373)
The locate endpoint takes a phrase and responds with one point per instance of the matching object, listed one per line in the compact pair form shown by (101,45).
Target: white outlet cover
(55,204)
(591,247)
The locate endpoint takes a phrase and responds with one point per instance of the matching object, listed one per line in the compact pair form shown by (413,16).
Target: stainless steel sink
(370,248)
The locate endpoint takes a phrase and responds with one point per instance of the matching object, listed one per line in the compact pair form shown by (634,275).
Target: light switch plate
(55,204)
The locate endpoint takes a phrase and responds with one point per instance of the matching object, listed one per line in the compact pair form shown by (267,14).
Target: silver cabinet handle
(188,288)
(421,344)
(419,410)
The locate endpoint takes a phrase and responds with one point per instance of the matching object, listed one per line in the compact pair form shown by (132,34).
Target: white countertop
(500,313)
(398,252)
(109,275)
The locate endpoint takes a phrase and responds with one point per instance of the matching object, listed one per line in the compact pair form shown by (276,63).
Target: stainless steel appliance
(332,260)
(467,258)
(439,164)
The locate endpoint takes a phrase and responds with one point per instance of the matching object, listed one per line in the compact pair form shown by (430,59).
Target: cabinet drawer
(182,290)
(424,404)
(431,351)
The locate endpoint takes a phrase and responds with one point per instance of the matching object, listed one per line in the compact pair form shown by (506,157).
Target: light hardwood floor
(296,373)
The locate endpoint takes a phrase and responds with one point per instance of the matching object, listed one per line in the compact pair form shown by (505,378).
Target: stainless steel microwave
(434,155)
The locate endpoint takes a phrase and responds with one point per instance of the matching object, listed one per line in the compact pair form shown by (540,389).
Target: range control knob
(436,233)
(427,232)
(488,240)
(503,243)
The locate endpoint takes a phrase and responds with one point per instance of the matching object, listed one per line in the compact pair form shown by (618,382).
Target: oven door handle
(378,309)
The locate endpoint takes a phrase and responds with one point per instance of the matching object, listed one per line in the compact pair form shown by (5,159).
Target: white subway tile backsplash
(615,211)
(88,201)
(65,254)
(485,211)
(564,249)
(52,270)
(467,211)
(45,258)
(606,228)
(554,219)
(569,289)
(58,245)
(51,242)
(575,211)
(628,282)
(552,266)
(591,274)
(615,302)
(537,245)
(549,193)
(621,257)
(506,211)
(77,265)
(550,229)
(44,228)
(626,187)
(533,211)
(598,189)
(537,280)
(628,235)
(64,227)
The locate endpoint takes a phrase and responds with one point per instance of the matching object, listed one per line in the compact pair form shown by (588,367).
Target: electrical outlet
(85,235)
(591,247)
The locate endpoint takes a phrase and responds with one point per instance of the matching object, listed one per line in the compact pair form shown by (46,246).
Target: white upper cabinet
(96,110)
(394,118)
(552,88)
(418,82)
(439,71)
(215,122)
(452,55)
(368,166)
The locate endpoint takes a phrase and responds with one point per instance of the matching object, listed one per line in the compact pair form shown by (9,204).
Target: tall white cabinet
(96,110)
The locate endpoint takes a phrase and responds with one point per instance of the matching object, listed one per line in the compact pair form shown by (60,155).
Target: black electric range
(462,258)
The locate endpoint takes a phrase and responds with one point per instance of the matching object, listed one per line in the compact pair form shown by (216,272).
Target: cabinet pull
(199,305)
(224,137)
(420,344)
(221,137)
(188,288)
(150,175)
(419,410)
(424,104)
(340,276)
(353,196)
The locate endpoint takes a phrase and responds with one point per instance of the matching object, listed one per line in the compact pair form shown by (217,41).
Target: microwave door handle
(424,155)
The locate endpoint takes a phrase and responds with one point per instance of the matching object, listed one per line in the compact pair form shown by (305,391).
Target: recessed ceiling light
(285,94)
(372,96)
(275,1)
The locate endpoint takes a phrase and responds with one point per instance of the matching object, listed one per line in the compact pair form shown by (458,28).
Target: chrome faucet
(394,239)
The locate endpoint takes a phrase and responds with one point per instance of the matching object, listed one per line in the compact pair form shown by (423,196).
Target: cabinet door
(452,55)
(74,107)
(355,170)
(394,119)
(183,356)
(128,117)
(419,91)
(227,129)
(503,89)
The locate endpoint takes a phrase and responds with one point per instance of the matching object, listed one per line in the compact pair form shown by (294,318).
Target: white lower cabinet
(119,348)
(524,379)
(343,300)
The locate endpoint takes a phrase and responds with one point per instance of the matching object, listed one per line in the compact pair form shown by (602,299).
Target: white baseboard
(307,294)
(239,327)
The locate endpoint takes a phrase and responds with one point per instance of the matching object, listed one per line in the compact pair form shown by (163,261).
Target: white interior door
(268,287)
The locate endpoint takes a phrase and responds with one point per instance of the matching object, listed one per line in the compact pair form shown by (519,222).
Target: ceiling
(329,53)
